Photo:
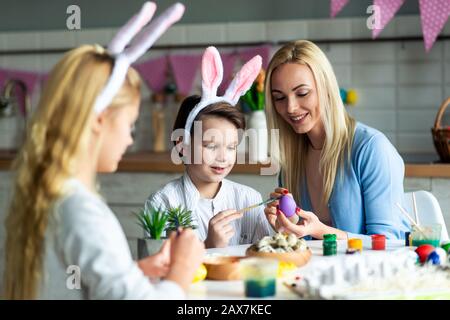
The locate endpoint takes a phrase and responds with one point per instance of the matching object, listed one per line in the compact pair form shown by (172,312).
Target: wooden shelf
(433,170)
(161,162)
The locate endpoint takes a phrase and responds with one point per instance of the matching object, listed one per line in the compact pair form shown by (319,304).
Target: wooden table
(234,290)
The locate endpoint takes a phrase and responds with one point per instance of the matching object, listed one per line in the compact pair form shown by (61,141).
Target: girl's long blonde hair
(339,126)
(58,132)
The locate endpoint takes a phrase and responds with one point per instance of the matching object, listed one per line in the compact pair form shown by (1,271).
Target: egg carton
(384,275)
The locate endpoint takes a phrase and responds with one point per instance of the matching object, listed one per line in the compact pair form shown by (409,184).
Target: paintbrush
(416,213)
(411,219)
(259,204)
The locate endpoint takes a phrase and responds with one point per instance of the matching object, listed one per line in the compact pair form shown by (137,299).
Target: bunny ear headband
(212,73)
(145,37)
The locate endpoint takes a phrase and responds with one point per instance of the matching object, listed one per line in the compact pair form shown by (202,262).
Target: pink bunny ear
(212,72)
(243,80)
(153,31)
(131,28)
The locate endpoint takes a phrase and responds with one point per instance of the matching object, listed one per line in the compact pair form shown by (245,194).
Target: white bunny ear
(243,80)
(212,72)
(143,41)
(153,31)
(131,28)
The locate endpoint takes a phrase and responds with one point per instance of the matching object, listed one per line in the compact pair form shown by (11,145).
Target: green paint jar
(259,276)
(329,245)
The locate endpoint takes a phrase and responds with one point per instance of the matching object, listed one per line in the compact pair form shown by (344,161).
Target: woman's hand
(310,225)
(157,265)
(271,209)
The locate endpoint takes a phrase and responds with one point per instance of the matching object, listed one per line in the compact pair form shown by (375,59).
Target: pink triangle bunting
(388,9)
(228,60)
(433,15)
(263,51)
(184,69)
(154,73)
(336,6)
(43,78)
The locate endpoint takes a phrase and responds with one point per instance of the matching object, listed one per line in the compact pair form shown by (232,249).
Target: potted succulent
(153,221)
(179,217)
(157,223)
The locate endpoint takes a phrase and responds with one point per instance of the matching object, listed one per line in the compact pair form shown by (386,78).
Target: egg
(441,254)
(446,247)
(200,273)
(434,258)
(287,205)
(424,251)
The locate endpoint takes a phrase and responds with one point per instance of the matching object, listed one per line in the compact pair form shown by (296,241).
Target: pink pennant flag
(433,15)
(387,10)
(3,78)
(184,69)
(263,51)
(336,6)
(228,60)
(43,78)
(154,72)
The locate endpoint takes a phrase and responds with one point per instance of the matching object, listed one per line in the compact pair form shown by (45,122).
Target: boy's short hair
(220,109)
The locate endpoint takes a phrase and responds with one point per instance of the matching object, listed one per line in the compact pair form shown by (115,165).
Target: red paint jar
(378,242)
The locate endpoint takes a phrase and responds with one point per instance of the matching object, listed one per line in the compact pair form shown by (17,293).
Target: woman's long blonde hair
(58,132)
(339,126)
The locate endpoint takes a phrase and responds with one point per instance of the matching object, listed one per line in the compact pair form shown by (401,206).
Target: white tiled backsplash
(400,87)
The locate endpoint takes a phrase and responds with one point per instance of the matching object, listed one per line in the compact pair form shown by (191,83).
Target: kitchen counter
(416,165)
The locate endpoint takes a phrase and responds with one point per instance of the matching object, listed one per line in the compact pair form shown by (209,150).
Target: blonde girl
(63,242)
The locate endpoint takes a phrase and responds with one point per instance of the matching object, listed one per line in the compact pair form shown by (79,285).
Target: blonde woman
(346,176)
(63,242)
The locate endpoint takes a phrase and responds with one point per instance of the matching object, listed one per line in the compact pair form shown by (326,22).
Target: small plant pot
(148,247)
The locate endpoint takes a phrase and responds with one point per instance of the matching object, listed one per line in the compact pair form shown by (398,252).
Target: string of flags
(155,72)
(433,16)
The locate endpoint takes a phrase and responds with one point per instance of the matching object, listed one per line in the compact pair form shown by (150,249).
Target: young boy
(203,189)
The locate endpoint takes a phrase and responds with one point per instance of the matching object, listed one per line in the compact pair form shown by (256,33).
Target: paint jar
(428,234)
(329,245)
(446,247)
(355,243)
(378,242)
(259,276)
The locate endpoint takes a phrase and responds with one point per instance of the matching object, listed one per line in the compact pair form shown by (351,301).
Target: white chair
(428,209)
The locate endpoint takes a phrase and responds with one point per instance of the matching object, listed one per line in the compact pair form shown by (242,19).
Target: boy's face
(217,149)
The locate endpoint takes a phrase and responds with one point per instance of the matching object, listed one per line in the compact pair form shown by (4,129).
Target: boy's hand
(220,230)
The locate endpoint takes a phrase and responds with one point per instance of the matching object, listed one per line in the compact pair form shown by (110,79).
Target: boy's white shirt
(84,233)
(182,191)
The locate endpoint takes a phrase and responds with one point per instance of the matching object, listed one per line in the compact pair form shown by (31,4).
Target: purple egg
(287,205)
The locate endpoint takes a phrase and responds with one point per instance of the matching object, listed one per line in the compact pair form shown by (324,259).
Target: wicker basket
(441,135)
